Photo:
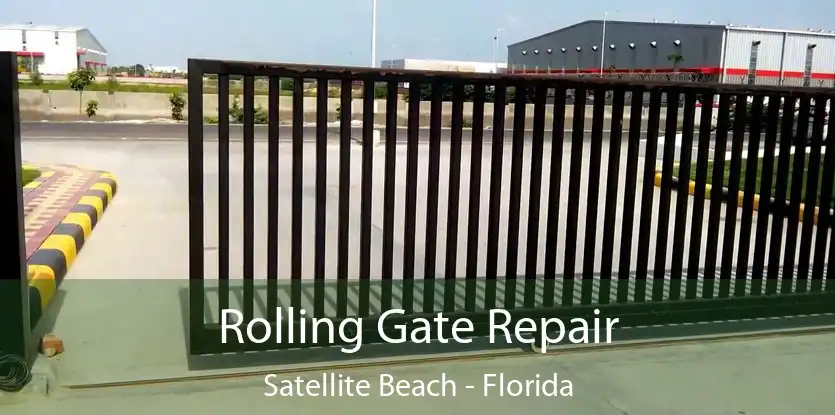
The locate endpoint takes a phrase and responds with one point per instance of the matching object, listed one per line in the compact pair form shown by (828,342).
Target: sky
(338,32)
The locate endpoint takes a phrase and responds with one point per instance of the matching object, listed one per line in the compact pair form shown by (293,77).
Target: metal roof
(45,28)
(812,32)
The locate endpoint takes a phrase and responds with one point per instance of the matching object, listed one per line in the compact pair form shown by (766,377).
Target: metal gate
(650,233)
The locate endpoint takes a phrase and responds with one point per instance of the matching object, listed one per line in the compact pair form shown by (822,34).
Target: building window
(752,63)
(23,37)
(807,68)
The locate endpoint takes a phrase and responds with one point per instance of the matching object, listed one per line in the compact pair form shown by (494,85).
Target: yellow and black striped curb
(38,181)
(691,189)
(48,265)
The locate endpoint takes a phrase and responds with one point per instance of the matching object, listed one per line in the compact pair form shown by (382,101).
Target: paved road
(89,130)
(153,198)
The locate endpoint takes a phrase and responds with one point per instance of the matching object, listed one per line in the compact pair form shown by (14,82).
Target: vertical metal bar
(629,188)
(454,195)
(223,193)
(321,196)
(811,199)
(496,162)
(195,200)
(574,180)
(648,189)
(343,243)
(366,195)
(793,212)
(537,145)
(272,197)
(297,187)
(716,195)
(779,204)
(474,196)
(412,131)
(15,324)
(752,168)
(249,198)
(682,188)
(388,193)
(554,181)
(593,193)
(765,207)
(740,121)
(825,218)
(699,193)
(610,209)
(514,204)
(665,189)
(432,196)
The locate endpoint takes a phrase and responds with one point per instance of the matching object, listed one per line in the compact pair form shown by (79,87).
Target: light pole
(375,138)
(603,41)
(496,50)
(373,33)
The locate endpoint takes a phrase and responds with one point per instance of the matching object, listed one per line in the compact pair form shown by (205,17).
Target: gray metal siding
(701,46)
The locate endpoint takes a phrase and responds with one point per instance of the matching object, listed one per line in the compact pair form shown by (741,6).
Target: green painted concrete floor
(120,313)
(779,376)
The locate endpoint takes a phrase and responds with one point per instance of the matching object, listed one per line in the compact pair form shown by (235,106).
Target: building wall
(771,54)
(94,55)
(701,46)
(440,65)
(53,51)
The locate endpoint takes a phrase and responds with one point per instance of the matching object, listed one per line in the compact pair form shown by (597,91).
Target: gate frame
(16,337)
(205,338)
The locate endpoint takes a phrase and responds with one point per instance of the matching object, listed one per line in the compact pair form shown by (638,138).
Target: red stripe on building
(30,54)
(760,73)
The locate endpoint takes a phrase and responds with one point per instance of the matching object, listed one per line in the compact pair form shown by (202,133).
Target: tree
(80,79)
(36,79)
(676,59)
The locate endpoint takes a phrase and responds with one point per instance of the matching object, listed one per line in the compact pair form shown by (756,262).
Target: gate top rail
(276,69)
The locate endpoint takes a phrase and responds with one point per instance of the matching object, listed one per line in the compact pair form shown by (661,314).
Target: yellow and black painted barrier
(48,265)
(692,185)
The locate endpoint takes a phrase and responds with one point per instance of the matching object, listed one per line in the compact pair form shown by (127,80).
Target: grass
(758,182)
(209,87)
(27,175)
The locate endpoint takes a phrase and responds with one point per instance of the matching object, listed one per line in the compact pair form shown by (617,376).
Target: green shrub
(92,108)
(178,102)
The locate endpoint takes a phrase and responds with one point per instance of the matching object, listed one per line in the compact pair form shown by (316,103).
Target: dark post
(15,333)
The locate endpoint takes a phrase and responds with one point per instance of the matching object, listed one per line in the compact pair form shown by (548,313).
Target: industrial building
(708,52)
(440,65)
(53,50)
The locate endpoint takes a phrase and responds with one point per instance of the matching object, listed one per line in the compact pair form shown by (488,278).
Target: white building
(53,50)
(439,65)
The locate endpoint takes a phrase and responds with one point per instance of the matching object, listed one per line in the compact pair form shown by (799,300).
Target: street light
(496,50)
(524,65)
(373,33)
(603,40)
